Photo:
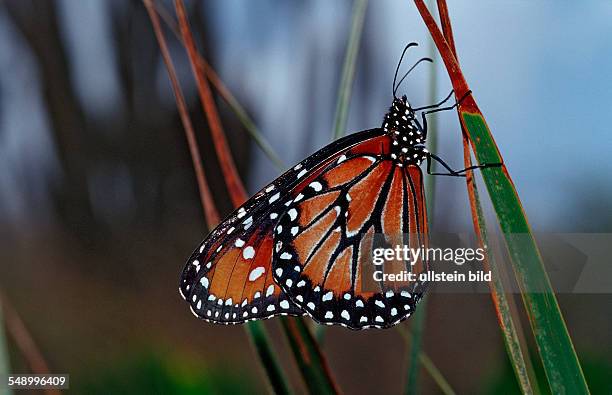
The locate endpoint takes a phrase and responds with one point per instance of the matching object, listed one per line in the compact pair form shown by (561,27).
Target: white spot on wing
(328,296)
(204,282)
(256,273)
(248,253)
(274,197)
(316,186)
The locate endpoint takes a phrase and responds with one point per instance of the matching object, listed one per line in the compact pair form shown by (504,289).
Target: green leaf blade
(557,352)
(348,69)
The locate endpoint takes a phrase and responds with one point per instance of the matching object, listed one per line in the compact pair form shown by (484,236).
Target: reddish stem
(210,211)
(234,185)
(24,341)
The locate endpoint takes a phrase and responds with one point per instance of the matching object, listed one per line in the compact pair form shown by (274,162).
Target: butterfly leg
(438,104)
(424,113)
(451,172)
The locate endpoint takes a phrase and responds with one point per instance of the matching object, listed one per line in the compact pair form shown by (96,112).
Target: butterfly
(297,246)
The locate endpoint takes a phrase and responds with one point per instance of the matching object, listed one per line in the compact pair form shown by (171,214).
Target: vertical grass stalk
(225,94)
(507,312)
(256,332)
(559,359)
(4,356)
(235,188)
(344,91)
(348,69)
(428,364)
(419,319)
(309,358)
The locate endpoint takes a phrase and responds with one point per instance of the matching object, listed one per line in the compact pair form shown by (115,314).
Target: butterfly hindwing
(228,279)
(322,240)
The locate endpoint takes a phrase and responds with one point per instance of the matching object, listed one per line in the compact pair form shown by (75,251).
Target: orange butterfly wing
(228,279)
(326,236)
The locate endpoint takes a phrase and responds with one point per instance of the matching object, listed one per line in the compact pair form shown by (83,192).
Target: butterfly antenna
(400,63)
(408,72)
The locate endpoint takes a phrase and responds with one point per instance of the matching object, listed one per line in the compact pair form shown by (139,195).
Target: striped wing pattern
(327,232)
(228,278)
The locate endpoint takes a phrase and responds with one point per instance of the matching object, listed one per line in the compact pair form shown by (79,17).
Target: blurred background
(99,206)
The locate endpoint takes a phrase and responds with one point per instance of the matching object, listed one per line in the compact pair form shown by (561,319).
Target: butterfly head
(408,141)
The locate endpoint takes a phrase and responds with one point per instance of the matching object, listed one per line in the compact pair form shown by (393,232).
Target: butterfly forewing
(325,238)
(228,279)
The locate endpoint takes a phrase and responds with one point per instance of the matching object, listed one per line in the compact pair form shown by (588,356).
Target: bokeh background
(99,206)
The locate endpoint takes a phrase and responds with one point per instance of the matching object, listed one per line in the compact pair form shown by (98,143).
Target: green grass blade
(428,364)
(255,331)
(252,130)
(225,93)
(414,358)
(261,342)
(556,350)
(308,356)
(509,321)
(436,375)
(555,347)
(4,356)
(348,69)
(507,312)
(344,92)
(418,321)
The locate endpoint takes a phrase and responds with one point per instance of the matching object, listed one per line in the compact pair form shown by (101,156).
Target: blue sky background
(539,70)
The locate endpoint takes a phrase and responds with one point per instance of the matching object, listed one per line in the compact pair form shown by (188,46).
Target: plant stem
(419,319)
(4,356)
(255,331)
(348,69)
(313,366)
(555,347)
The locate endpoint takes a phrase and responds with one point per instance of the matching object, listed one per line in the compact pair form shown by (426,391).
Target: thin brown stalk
(254,329)
(238,194)
(234,185)
(225,93)
(505,308)
(24,341)
(210,211)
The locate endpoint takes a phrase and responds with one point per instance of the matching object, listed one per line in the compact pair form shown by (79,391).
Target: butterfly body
(297,247)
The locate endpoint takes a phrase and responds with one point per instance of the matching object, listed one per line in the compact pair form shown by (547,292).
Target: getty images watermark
(457,263)
(421,254)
